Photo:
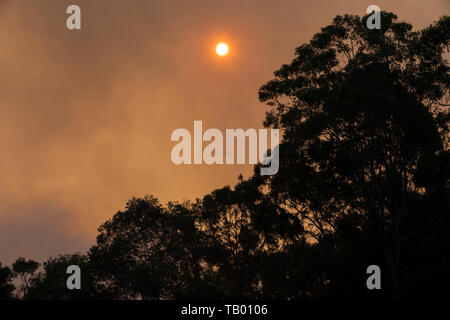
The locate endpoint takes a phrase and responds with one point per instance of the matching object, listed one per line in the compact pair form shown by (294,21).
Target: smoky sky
(86,116)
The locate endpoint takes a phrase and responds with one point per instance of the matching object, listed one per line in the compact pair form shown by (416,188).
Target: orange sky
(86,116)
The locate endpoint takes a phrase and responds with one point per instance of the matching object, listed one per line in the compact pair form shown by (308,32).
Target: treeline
(363,180)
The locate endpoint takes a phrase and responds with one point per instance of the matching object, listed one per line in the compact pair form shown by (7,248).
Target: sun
(222,49)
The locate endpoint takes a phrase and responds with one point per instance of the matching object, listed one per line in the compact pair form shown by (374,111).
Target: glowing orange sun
(222,49)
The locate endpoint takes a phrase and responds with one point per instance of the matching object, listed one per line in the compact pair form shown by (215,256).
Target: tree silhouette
(26,272)
(50,284)
(6,286)
(362,119)
(147,250)
(239,241)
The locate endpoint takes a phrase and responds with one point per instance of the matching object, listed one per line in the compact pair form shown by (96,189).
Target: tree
(26,272)
(242,229)
(6,286)
(147,251)
(50,284)
(362,118)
